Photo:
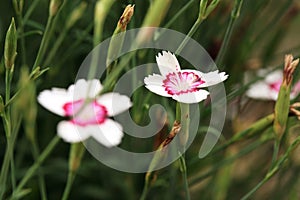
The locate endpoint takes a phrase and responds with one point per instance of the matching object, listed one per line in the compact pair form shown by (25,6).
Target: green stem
(23,47)
(184,176)
(72,18)
(275,152)
(20,32)
(55,47)
(101,10)
(223,49)
(10,140)
(94,65)
(32,170)
(17,93)
(157,158)
(74,45)
(30,10)
(189,35)
(5,168)
(184,117)
(234,15)
(71,177)
(256,128)
(136,110)
(33,32)
(175,17)
(41,180)
(76,154)
(229,160)
(273,169)
(110,80)
(145,191)
(255,188)
(12,170)
(8,157)
(44,42)
(8,77)
(170,193)
(178,112)
(48,32)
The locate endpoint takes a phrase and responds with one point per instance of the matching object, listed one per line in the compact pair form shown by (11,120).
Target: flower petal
(83,89)
(154,83)
(54,100)
(114,103)
(191,97)
(200,74)
(263,72)
(72,133)
(274,76)
(167,63)
(109,133)
(295,90)
(158,89)
(154,79)
(260,90)
(213,78)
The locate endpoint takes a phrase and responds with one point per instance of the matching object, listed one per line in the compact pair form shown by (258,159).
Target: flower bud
(76,154)
(125,18)
(289,68)
(76,14)
(55,5)
(117,39)
(205,9)
(213,4)
(160,154)
(153,18)
(18,6)
(26,103)
(35,73)
(102,8)
(156,13)
(203,5)
(237,8)
(10,47)
(282,105)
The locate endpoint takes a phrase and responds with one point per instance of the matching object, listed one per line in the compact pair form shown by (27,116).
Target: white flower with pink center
(268,88)
(88,114)
(182,85)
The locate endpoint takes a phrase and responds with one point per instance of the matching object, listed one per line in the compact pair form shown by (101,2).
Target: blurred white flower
(91,119)
(182,85)
(268,88)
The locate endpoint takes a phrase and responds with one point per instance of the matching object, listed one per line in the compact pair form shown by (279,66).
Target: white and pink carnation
(268,88)
(89,114)
(182,85)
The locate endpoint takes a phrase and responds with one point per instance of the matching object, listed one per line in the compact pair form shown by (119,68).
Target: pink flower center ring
(177,83)
(276,85)
(92,113)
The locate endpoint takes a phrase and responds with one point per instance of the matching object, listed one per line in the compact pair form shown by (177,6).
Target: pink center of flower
(182,82)
(276,85)
(91,113)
